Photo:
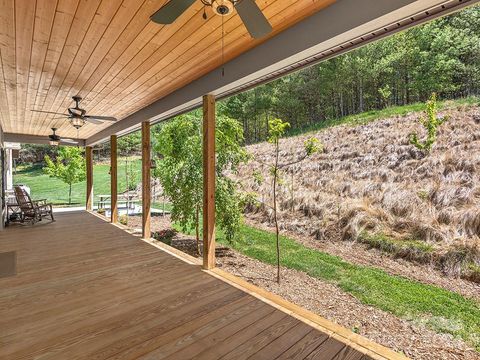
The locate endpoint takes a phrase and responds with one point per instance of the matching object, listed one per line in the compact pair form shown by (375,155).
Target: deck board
(85,289)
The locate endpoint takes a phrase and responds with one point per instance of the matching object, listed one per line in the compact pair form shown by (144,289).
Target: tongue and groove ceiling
(111,54)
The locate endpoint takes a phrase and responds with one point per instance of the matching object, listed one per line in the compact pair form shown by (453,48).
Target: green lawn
(44,187)
(440,310)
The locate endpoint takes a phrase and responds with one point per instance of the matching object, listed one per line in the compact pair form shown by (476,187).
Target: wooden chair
(32,210)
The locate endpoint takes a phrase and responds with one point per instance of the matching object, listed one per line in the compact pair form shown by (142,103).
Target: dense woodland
(442,56)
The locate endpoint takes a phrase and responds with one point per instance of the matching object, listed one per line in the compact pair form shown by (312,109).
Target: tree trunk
(292,192)
(407,88)
(266,125)
(360,90)
(70,194)
(277,233)
(342,112)
(126,182)
(197,228)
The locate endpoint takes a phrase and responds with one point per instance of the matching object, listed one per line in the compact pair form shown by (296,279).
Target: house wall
(8,169)
(3,177)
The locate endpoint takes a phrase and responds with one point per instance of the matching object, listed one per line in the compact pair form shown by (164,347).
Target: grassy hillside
(369,116)
(371,185)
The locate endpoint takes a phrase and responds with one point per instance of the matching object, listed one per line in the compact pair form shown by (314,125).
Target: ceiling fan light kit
(251,15)
(77,123)
(55,140)
(221,7)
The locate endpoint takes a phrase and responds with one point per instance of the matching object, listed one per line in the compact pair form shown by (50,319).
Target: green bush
(409,249)
(430,122)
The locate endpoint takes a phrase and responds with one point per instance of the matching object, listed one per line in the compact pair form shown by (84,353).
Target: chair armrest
(47,206)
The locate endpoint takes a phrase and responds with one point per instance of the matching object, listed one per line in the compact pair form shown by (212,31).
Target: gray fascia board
(35,139)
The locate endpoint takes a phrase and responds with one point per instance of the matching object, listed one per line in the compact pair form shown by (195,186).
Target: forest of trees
(442,56)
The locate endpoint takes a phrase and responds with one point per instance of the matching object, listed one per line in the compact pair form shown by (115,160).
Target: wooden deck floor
(85,289)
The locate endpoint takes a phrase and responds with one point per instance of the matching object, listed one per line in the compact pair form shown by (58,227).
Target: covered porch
(84,288)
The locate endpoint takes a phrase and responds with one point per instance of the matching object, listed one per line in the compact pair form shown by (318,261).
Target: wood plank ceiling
(111,54)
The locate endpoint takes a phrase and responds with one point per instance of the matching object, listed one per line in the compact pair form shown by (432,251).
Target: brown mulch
(329,301)
(355,253)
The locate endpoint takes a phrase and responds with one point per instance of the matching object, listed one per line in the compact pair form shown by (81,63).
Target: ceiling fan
(251,15)
(55,140)
(78,116)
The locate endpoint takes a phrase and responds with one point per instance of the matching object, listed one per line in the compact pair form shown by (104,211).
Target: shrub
(165,235)
(431,123)
(462,260)
(123,219)
(472,272)
(410,249)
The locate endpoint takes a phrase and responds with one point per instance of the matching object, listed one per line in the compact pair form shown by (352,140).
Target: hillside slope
(370,185)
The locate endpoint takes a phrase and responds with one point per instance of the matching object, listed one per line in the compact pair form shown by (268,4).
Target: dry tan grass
(370,179)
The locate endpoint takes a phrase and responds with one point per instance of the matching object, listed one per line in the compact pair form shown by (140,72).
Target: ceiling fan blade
(49,112)
(253,18)
(70,141)
(103,118)
(169,12)
(93,121)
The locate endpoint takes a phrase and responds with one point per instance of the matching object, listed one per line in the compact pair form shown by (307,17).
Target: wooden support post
(89,166)
(113,179)
(208,182)
(146,186)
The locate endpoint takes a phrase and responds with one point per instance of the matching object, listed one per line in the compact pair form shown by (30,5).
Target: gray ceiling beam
(35,139)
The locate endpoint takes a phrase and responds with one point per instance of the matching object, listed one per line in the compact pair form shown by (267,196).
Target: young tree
(431,123)
(277,129)
(69,167)
(129,145)
(180,170)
